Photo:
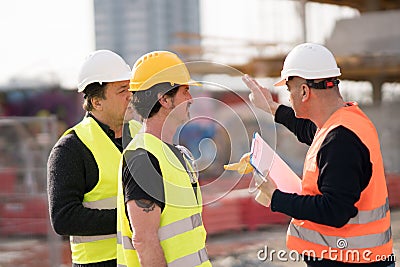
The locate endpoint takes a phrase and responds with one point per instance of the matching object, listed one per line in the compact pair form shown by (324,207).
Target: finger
(258,185)
(250,83)
(256,82)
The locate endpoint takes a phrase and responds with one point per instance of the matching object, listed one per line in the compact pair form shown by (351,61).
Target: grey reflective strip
(367,216)
(179,227)
(194,259)
(121,265)
(355,242)
(107,203)
(125,241)
(84,239)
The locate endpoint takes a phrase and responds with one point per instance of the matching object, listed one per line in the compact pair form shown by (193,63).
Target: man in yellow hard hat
(83,165)
(159,199)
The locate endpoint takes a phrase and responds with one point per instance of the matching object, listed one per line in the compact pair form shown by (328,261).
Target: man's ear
(305,90)
(163,100)
(97,103)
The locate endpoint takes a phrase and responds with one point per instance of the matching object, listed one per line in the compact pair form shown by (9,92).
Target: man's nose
(129,96)
(190,98)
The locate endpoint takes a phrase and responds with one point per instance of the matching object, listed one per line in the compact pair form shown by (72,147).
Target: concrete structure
(134,27)
(367,48)
(365,5)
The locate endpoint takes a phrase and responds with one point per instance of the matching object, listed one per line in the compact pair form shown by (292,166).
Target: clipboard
(267,162)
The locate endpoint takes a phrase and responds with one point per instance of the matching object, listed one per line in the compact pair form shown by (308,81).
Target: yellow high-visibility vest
(91,249)
(181,233)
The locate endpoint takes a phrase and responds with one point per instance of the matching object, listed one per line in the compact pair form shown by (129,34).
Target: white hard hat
(103,66)
(309,61)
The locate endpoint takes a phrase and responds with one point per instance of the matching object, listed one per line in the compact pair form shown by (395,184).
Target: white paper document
(267,162)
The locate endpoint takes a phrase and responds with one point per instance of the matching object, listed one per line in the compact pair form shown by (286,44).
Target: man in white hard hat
(159,198)
(341,217)
(83,165)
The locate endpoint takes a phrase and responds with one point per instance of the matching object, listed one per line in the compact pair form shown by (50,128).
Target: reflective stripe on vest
(102,204)
(83,239)
(367,216)
(167,231)
(107,203)
(355,242)
(194,259)
(179,227)
(125,241)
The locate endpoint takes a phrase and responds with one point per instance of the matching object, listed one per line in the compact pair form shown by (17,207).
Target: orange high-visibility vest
(365,238)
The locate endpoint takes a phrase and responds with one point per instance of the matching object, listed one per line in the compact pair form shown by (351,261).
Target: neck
(325,110)
(114,125)
(156,126)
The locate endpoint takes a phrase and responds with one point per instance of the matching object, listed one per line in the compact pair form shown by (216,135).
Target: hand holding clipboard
(270,171)
(268,163)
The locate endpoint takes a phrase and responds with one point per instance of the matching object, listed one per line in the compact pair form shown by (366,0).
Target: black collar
(110,133)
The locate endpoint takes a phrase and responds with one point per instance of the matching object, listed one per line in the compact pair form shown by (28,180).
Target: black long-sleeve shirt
(71,172)
(345,171)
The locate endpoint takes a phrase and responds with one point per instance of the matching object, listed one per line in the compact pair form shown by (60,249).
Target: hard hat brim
(280,83)
(143,88)
(194,83)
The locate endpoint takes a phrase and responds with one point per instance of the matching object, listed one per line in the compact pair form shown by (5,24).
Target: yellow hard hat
(159,67)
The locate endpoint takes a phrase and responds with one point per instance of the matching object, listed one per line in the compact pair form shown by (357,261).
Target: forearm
(149,251)
(320,209)
(303,129)
(70,217)
(74,219)
(273,107)
(144,217)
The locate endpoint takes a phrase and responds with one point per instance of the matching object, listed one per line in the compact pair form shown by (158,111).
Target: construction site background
(26,237)
(34,115)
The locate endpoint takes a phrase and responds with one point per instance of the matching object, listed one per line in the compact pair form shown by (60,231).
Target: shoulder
(68,142)
(138,156)
(140,161)
(345,141)
(341,134)
(70,145)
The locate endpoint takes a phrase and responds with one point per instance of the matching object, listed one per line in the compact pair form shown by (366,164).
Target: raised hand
(260,96)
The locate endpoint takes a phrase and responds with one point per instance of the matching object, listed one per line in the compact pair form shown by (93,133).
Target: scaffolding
(25,144)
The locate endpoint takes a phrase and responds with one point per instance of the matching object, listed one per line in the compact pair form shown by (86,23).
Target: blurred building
(134,27)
